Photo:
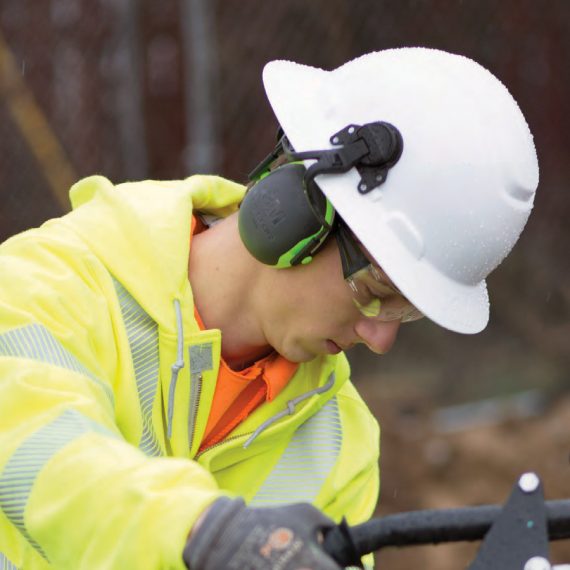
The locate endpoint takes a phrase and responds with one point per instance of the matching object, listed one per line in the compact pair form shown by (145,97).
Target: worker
(173,386)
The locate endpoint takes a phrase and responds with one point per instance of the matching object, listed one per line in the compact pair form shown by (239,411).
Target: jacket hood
(141,230)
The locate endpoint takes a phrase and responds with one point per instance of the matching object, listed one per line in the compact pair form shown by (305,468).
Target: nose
(379,336)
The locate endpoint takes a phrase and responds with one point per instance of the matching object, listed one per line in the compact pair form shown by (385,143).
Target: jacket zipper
(195,392)
(220,443)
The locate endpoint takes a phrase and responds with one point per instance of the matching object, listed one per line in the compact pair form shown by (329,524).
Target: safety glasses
(376,297)
(373,292)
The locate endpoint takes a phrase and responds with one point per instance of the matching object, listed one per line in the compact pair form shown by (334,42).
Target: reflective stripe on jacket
(106,383)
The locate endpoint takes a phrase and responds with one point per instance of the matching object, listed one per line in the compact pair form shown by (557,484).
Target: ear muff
(285,218)
(278,225)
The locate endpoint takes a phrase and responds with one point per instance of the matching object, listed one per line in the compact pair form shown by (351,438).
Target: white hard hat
(456,202)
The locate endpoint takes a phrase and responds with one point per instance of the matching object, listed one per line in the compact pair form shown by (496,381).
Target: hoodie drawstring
(177,366)
(290,410)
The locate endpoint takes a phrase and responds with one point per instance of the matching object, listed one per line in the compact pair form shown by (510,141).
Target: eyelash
(374,294)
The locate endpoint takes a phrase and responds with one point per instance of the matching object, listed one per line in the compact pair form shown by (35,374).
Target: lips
(333,347)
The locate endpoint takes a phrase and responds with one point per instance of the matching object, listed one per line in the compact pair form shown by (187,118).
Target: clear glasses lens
(376,298)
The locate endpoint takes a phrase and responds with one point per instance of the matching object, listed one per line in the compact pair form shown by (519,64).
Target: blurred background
(136,89)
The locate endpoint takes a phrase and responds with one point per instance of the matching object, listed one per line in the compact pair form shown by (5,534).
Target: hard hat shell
(457,200)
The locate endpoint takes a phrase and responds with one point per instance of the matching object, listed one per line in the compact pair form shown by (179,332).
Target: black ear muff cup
(275,214)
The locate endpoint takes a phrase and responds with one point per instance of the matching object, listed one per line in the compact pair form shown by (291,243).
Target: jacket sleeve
(73,492)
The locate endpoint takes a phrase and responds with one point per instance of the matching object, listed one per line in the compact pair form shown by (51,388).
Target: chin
(296,353)
(299,357)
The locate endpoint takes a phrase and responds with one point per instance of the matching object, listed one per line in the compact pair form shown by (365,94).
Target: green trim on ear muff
(263,175)
(309,245)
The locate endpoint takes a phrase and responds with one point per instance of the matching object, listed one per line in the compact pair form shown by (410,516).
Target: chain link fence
(135,89)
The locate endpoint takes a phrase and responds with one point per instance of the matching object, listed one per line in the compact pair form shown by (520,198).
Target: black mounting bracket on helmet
(372,148)
(385,145)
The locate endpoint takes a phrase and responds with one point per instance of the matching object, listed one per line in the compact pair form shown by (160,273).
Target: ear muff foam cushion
(275,214)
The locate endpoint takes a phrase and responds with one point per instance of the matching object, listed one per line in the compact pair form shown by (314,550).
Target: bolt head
(529,482)
(537,563)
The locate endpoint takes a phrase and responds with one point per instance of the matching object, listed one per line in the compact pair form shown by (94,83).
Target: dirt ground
(425,466)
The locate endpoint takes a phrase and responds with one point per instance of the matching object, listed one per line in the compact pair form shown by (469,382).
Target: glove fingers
(312,519)
(235,537)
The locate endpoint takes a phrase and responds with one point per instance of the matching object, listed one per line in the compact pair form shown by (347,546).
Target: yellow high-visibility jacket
(106,383)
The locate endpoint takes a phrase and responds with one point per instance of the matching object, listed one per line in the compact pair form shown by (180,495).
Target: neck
(226,282)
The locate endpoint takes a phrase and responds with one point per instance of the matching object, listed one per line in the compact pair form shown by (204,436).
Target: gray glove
(235,537)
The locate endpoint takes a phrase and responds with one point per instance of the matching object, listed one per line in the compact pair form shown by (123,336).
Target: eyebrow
(380,289)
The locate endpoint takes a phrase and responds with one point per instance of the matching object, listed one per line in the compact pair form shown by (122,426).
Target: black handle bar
(431,527)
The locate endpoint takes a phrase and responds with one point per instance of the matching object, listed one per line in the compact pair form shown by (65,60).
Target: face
(320,314)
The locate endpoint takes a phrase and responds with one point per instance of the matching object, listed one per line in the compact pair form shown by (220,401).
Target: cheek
(330,305)
(336,315)
(317,294)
